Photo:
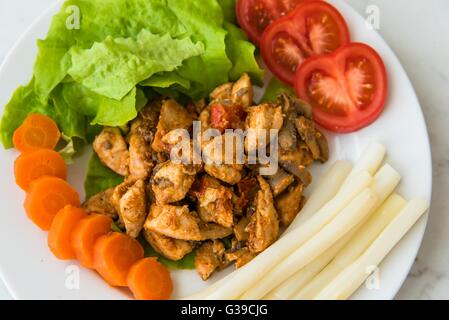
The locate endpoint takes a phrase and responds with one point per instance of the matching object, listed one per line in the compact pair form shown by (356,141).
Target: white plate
(31,272)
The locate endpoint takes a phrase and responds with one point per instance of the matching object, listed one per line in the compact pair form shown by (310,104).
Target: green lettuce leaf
(228,7)
(113,67)
(274,89)
(99,177)
(241,52)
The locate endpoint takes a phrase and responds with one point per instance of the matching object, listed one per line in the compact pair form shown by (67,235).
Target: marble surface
(417,31)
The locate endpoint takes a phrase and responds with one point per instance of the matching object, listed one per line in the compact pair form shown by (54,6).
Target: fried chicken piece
(172,249)
(246,192)
(296,161)
(241,257)
(172,116)
(140,139)
(112,150)
(313,138)
(222,92)
(240,229)
(179,223)
(289,203)
(260,120)
(263,228)
(214,201)
(101,204)
(172,181)
(174,222)
(133,208)
(209,257)
(242,92)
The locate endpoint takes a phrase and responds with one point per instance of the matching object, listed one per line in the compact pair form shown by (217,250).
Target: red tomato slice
(346,89)
(255,15)
(313,28)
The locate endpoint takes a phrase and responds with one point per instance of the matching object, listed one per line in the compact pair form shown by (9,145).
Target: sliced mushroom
(263,228)
(172,249)
(112,150)
(313,138)
(240,229)
(101,204)
(213,231)
(280,181)
(241,257)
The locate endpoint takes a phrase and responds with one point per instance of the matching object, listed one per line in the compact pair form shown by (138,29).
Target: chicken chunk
(260,120)
(140,139)
(179,223)
(174,222)
(240,229)
(296,162)
(222,92)
(313,138)
(133,208)
(289,203)
(242,92)
(214,201)
(172,181)
(246,192)
(112,150)
(241,257)
(263,228)
(209,257)
(280,181)
(172,116)
(172,249)
(101,204)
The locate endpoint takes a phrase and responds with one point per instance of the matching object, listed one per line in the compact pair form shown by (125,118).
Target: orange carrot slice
(114,254)
(35,164)
(37,131)
(45,197)
(59,236)
(149,280)
(86,234)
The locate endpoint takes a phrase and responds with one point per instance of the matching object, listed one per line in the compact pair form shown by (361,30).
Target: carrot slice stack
(150,280)
(33,165)
(86,234)
(59,237)
(45,197)
(114,254)
(37,131)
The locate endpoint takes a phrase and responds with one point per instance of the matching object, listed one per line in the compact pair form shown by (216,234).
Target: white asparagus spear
(328,187)
(370,160)
(358,244)
(347,282)
(385,181)
(349,217)
(302,277)
(242,279)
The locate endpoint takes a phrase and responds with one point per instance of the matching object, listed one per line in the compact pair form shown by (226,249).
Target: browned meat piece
(101,204)
(179,223)
(174,222)
(214,201)
(260,119)
(296,161)
(172,249)
(239,229)
(246,192)
(222,92)
(241,257)
(263,228)
(289,203)
(133,208)
(213,231)
(313,138)
(112,150)
(280,181)
(209,257)
(242,92)
(294,107)
(119,192)
(140,139)
(172,181)
(173,116)
(215,157)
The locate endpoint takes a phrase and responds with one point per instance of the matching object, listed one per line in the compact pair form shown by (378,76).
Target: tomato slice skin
(313,28)
(255,15)
(347,89)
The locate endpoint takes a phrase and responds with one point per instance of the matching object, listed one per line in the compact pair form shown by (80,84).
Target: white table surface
(417,31)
